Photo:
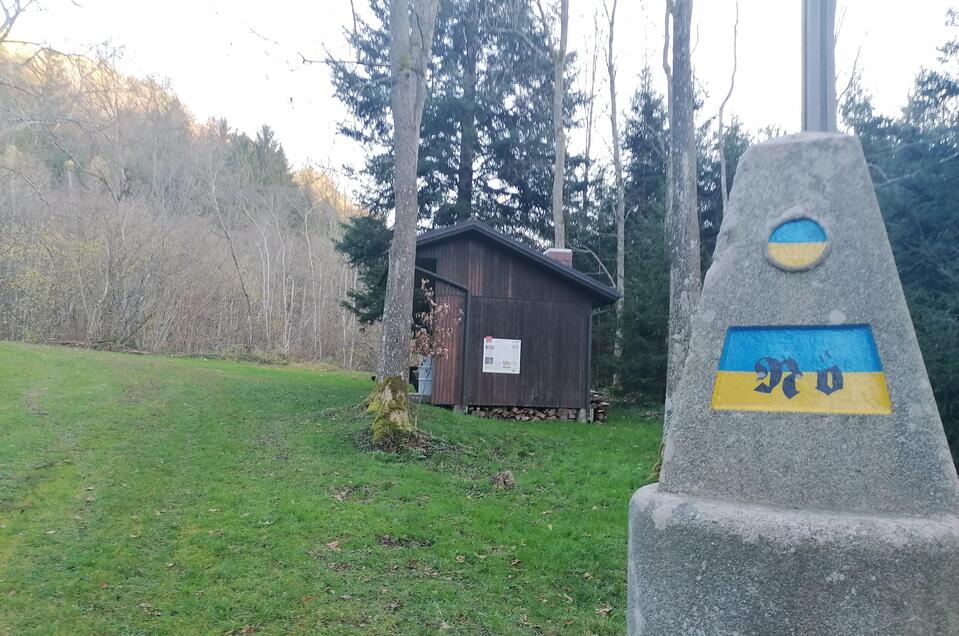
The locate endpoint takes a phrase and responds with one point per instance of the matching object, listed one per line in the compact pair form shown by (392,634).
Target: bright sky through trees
(237,60)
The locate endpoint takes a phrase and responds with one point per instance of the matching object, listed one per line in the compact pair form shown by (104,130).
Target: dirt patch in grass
(390,541)
(30,400)
(362,493)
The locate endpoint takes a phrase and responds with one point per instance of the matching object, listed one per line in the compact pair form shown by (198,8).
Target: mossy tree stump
(390,405)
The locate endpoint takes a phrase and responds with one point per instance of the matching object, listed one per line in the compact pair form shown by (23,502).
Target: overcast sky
(242,60)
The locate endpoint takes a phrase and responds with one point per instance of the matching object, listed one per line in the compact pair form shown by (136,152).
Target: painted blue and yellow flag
(828,369)
(797,244)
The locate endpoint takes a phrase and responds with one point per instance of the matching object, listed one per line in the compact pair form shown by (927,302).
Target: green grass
(151,495)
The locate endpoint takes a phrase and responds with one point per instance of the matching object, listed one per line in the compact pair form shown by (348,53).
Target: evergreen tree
(366,244)
(914,160)
(736,141)
(486,139)
(486,143)
(646,311)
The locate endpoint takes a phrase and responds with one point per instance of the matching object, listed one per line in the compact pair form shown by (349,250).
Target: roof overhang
(602,295)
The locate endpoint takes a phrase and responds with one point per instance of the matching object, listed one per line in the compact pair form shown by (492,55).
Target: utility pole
(819,65)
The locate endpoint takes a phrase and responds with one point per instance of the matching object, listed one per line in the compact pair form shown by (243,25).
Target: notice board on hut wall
(501,355)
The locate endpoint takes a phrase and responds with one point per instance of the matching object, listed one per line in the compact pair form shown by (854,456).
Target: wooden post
(819,66)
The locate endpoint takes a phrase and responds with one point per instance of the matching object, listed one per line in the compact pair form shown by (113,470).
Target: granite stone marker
(806,487)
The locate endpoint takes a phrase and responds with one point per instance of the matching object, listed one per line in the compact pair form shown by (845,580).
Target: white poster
(501,355)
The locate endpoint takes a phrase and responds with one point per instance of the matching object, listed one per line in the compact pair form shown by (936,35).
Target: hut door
(447,364)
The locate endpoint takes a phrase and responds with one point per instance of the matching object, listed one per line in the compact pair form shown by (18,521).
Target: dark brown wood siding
(490,270)
(452,262)
(514,298)
(449,335)
(553,358)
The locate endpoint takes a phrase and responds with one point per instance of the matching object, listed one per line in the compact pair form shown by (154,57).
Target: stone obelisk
(807,486)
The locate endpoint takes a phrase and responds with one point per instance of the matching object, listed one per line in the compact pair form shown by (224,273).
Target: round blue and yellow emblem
(797,245)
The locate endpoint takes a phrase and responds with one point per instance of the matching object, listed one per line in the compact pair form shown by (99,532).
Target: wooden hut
(516,323)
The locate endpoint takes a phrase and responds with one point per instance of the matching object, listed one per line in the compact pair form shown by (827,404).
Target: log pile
(522,413)
(600,406)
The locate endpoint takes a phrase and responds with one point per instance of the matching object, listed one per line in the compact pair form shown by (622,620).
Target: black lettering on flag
(771,370)
(829,380)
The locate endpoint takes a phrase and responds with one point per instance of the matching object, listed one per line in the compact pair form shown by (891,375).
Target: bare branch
(666,67)
(29,182)
(353,12)
(12,10)
(852,76)
(721,136)
(585,250)
(838,31)
(888,181)
(546,28)
(331,60)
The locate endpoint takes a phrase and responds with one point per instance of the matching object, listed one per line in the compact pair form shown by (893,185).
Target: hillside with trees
(129,224)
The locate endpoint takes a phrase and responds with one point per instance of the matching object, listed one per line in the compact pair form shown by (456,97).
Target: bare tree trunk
(411,40)
(668,70)
(286,302)
(320,312)
(266,277)
(11,11)
(349,363)
(590,110)
(620,191)
(559,126)
(344,318)
(468,135)
(682,218)
(721,131)
(411,37)
(313,286)
(236,264)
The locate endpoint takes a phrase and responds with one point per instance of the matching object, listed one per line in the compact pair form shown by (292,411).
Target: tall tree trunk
(313,286)
(349,363)
(620,191)
(249,345)
(411,40)
(682,219)
(468,138)
(559,127)
(590,110)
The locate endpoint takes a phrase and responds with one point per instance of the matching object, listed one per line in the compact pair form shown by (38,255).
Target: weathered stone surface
(811,523)
(705,566)
(898,463)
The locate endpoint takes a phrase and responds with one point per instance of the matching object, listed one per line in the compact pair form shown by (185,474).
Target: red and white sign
(501,355)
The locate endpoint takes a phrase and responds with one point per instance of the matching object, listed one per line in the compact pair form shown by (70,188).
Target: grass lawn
(152,495)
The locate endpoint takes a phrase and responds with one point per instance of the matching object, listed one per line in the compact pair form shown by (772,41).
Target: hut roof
(604,294)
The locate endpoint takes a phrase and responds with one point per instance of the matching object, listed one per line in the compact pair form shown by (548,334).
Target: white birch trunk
(559,127)
(620,190)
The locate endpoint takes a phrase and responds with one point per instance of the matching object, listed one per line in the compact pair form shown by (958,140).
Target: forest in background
(487,149)
(125,223)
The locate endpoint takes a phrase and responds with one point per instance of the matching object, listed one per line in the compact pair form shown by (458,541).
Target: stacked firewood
(522,413)
(599,405)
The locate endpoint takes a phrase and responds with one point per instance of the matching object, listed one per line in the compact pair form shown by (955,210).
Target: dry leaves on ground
(503,480)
